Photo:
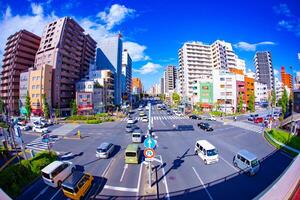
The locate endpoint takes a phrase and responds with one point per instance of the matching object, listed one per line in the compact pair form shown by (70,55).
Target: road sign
(149,153)
(149,143)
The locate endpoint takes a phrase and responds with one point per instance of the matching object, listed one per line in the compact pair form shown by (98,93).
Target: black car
(194,117)
(205,126)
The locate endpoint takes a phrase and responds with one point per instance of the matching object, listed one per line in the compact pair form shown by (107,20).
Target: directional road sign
(149,153)
(149,143)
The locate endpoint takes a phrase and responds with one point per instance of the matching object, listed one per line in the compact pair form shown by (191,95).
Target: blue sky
(153,31)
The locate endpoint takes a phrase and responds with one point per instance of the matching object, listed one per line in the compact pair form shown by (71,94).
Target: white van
(137,136)
(56,172)
(206,151)
(246,161)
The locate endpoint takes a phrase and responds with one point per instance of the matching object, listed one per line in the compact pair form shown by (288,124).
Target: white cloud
(251,47)
(276,72)
(37,19)
(282,9)
(33,22)
(116,14)
(148,68)
(136,51)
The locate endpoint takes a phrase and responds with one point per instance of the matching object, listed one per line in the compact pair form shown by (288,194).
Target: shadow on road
(178,128)
(234,186)
(70,155)
(97,187)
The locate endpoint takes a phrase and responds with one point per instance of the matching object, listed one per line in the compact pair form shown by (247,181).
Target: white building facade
(261,92)
(126,76)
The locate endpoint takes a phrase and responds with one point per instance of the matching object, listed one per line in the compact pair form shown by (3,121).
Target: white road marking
(228,163)
(163,123)
(124,170)
(107,167)
(139,180)
(210,197)
(165,180)
(42,192)
(123,189)
(55,194)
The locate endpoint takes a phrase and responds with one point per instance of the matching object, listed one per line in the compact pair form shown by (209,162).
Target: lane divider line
(210,197)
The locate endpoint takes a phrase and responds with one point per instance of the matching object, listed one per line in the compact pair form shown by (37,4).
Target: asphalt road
(181,173)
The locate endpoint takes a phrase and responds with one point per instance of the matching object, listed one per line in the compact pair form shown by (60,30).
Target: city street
(181,173)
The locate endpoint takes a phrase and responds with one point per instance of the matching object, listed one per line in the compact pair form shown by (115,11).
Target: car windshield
(136,135)
(101,150)
(212,152)
(45,175)
(128,126)
(130,154)
(254,163)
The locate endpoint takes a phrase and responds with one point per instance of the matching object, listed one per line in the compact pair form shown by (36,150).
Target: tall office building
(126,76)
(68,50)
(264,68)
(19,55)
(286,79)
(162,85)
(197,60)
(170,78)
(109,56)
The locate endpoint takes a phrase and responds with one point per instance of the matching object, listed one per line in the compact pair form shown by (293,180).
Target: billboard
(84,101)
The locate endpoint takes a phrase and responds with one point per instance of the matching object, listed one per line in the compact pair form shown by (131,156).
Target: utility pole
(149,136)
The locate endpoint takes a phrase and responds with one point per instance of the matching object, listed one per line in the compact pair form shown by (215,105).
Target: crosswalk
(172,117)
(38,145)
(247,126)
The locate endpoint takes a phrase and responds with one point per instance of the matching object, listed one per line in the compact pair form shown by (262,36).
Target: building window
(33,87)
(222,79)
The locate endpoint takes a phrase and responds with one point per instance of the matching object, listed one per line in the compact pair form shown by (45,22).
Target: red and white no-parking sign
(149,153)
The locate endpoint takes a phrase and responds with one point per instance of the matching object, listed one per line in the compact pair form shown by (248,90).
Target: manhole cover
(165,147)
(172,177)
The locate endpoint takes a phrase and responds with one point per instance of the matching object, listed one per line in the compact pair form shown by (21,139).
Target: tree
(28,105)
(162,97)
(290,103)
(176,98)
(273,98)
(2,105)
(279,102)
(240,103)
(73,107)
(284,102)
(251,104)
(46,109)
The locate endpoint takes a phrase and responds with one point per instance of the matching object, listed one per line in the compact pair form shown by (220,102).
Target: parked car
(104,150)
(141,114)
(130,128)
(40,129)
(179,114)
(258,120)
(205,126)
(56,172)
(211,118)
(23,127)
(194,117)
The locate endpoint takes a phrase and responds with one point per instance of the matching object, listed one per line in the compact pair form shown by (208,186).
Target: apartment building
(109,56)
(264,71)
(286,79)
(24,80)
(68,50)
(203,94)
(170,75)
(225,90)
(39,84)
(198,60)
(297,81)
(278,88)
(162,85)
(137,87)
(261,92)
(19,55)
(249,88)
(126,76)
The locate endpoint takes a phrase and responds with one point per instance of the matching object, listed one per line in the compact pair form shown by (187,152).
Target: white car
(131,121)
(140,109)
(179,114)
(39,129)
(56,172)
(23,127)
(145,119)
(211,118)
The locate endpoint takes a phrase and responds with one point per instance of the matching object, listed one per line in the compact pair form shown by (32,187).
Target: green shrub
(102,115)
(93,121)
(216,113)
(15,177)
(3,125)
(285,138)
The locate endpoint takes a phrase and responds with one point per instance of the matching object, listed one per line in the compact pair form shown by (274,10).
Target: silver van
(137,136)
(246,161)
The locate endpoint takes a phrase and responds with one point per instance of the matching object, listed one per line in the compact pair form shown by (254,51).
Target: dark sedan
(194,117)
(205,126)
